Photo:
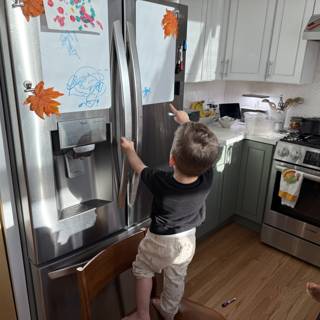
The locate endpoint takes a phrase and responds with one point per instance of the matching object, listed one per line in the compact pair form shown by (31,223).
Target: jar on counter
(295,123)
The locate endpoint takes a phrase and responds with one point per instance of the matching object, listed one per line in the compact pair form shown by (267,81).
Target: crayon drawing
(78,64)
(76,15)
(88,84)
(70,42)
(146,92)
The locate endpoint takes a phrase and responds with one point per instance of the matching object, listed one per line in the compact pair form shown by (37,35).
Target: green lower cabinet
(254,176)
(240,184)
(212,205)
(214,197)
(230,182)
(222,200)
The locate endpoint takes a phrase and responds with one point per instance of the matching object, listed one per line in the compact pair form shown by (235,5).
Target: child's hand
(180,117)
(126,145)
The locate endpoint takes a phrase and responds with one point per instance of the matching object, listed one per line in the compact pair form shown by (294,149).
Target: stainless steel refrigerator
(117,68)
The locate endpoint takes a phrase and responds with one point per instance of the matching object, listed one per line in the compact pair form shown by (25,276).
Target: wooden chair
(110,263)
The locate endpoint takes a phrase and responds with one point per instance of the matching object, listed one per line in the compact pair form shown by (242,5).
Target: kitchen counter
(237,132)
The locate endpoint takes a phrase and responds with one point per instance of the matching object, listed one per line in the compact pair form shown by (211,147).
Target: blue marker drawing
(89,84)
(146,92)
(69,41)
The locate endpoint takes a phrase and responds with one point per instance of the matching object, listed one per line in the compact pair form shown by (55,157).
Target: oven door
(303,220)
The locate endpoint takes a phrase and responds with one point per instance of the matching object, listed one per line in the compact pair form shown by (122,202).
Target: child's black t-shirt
(176,207)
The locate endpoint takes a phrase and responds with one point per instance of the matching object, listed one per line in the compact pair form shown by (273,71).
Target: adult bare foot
(164,315)
(136,316)
(313,290)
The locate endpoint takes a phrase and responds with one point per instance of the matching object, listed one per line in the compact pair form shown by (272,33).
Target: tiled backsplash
(231,91)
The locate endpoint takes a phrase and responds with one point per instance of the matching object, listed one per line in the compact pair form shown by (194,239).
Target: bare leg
(314,290)
(166,316)
(143,293)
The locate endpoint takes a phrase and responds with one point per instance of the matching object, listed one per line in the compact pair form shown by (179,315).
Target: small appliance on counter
(230,109)
(257,123)
(310,126)
(208,112)
(194,115)
(295,123)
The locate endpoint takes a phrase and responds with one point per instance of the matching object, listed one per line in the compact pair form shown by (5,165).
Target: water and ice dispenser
(82,153)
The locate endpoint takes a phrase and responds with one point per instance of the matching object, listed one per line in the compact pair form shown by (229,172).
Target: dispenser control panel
(81,132)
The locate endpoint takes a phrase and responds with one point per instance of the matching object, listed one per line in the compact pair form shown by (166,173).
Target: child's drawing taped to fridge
(156,31)
(76,15)
(78,64)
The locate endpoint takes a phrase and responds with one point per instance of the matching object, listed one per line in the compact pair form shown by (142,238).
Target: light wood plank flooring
(268,284)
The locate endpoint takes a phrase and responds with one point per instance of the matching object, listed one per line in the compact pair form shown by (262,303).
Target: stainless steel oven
(295,230)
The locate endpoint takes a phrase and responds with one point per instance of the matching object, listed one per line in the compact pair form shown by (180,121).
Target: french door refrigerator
(113,66)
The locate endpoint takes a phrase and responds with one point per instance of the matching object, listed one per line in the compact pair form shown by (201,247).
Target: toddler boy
(178,208)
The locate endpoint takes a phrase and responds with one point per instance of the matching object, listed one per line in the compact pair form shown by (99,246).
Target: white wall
(231,91)
(209,91)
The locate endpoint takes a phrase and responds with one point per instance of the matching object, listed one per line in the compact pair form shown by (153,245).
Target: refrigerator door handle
(126,114)
(137,114)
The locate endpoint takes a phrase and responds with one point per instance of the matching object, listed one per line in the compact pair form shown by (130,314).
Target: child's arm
(180,116)
(135,162)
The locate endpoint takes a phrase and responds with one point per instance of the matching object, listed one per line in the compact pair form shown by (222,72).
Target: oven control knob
(284,152)
(296,155)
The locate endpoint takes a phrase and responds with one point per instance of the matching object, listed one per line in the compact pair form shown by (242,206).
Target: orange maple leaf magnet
(42,101)
(32,8)
(170,24)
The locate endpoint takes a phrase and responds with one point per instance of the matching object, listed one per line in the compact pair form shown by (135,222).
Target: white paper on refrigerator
(77,64)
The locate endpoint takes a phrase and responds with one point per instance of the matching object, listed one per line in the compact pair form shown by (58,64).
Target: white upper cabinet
(205,38)
(255,40)
(195,38)
(248,39)
(292,59)
(215,39)
(317,7)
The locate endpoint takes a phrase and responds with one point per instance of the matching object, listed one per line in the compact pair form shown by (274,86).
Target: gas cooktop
(312,141)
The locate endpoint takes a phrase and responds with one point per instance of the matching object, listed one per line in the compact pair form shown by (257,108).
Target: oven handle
(305,175)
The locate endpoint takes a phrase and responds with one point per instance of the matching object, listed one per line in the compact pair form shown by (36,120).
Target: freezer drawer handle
(64,272)
(138,114)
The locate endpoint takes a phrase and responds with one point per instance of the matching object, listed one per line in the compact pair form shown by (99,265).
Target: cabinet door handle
(222,64)
(226,67)
(269,66)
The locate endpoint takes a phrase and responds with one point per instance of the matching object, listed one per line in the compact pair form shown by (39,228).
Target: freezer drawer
(56,287)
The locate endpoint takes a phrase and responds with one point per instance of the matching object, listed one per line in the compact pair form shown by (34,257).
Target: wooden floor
(268,284)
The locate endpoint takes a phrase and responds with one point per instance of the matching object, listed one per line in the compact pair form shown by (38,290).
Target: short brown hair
(195,148)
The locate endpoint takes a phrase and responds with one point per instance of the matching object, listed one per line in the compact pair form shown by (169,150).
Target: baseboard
(247,223)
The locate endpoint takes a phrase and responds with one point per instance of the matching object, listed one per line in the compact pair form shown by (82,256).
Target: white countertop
(237,132)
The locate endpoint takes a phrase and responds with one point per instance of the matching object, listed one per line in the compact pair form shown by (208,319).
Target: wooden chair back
(114,260)
(105,267)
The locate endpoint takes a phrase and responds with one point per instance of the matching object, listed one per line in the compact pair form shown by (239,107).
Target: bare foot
(136,316)
(313,290)
(164,315)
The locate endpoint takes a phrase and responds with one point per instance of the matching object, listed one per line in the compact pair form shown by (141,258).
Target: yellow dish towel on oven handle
(290,186)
